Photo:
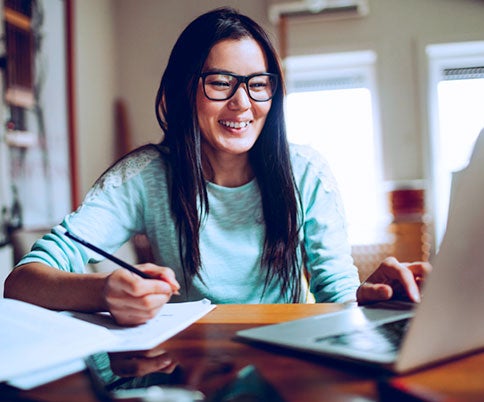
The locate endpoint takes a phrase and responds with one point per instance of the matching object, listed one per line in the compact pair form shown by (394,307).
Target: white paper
(39,377)
(34,338)
(38,345)
(172,318)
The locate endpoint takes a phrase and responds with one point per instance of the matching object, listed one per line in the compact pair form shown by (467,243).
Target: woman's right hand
(133,300)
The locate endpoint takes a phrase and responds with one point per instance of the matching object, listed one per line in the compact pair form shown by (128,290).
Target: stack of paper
(35,341)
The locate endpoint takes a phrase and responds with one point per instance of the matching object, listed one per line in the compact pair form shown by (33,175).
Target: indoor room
(389,92)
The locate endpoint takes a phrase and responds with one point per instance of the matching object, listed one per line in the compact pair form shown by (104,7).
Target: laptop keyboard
(384,338)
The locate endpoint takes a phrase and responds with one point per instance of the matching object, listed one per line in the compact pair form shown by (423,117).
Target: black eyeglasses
(261,87)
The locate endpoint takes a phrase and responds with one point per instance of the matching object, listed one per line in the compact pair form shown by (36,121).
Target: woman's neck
(228,170)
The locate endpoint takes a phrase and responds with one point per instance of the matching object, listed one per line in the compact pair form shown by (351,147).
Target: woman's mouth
(234,124)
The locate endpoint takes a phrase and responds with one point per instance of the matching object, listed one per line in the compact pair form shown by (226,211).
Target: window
(457,102)
(331,106)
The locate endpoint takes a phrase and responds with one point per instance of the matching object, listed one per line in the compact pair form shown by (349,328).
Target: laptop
(402,337)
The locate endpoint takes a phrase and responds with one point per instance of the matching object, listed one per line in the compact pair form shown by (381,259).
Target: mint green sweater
(132,197)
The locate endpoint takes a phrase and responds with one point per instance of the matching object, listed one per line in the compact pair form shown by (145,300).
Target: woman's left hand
(394,280)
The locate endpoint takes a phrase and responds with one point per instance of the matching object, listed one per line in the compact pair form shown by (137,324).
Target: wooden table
(210,357)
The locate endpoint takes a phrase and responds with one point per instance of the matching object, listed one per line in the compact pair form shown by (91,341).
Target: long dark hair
(269,157)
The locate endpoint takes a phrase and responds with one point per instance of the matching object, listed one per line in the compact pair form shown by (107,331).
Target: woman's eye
(258,85)
(220,84)
(219,81)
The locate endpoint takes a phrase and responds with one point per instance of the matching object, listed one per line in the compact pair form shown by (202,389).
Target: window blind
(327,83)
(463,73)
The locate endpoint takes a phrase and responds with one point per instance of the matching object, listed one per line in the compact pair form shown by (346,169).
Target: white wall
(96,75)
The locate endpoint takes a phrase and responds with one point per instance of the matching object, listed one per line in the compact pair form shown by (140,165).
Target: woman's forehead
(241,56)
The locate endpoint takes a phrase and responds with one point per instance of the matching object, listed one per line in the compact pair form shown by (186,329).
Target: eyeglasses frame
(241,79)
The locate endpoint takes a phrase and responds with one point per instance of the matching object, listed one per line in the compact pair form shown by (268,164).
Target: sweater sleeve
(333,276)
(109,216)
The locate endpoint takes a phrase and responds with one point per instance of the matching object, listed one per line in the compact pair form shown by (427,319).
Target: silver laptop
(449,321)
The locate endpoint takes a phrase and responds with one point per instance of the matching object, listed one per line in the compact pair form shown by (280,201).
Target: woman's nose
(240,99)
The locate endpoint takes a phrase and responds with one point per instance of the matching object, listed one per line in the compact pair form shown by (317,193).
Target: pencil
(110,257)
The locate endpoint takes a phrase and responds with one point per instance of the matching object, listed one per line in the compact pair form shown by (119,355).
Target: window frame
(350,66)
(440,57)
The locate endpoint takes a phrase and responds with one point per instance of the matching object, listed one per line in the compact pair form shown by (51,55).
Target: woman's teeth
(234,124)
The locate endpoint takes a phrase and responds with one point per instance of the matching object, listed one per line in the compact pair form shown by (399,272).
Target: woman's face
(231,127)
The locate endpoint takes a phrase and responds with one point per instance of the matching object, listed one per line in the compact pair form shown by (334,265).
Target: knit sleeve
(333,276)
(111,213)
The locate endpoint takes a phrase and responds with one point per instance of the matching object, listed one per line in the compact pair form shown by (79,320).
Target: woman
(230,209)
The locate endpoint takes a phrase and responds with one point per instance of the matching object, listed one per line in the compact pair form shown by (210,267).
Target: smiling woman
(233,212)
(231,116)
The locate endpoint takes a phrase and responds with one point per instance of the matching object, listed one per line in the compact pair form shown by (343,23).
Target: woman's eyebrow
(221,71)
(218,71)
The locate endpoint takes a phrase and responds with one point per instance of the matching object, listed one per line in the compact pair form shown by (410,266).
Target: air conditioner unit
(326,9)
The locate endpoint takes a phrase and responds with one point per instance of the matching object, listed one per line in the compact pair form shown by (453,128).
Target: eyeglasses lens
(260,87)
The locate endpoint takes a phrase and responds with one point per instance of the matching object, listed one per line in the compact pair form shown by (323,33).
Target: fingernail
(416,295)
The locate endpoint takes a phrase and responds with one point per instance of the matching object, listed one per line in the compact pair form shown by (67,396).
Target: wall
(96,73)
